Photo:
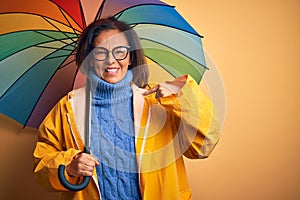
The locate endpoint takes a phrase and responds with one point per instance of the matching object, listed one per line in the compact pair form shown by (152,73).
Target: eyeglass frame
(107,52)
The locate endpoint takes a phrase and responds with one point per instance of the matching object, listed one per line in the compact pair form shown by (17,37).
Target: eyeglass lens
(119,52)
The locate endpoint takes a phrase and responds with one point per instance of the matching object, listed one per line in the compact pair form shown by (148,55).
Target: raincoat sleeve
(51,149)
(193,118)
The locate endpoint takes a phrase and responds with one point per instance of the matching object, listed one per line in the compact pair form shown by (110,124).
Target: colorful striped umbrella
(38,40)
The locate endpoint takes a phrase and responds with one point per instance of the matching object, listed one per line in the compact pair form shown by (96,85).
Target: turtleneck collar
(107,92)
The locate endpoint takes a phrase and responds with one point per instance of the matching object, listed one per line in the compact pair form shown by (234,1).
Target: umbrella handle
(67,184)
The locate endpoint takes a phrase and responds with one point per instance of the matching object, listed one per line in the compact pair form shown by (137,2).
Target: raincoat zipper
(77,146)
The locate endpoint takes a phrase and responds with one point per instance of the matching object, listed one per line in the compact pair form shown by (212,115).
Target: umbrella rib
(46,17)
(98,15)
(65,16)
(174,50)
(82,15)
(145,4)
(44,58)
(196,34)
(36,102)
(119,14)
(56,48)
(69,21)
(38,44)
(57,39)
(73,60)
(61,56)
(43,90)
(59,29)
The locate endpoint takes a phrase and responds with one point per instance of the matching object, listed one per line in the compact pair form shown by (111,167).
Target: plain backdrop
(255,47)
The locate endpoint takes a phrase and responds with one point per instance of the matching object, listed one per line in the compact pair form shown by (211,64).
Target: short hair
(85,45)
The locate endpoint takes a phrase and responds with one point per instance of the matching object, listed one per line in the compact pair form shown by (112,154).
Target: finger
(84,172)
(97,162)
(93,159)
(151,91)
(177,82)
(88,159)
(87,173)
(90,162)
(81,169)
(86,168)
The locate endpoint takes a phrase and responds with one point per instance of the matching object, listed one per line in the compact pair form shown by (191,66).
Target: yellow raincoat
(166,128)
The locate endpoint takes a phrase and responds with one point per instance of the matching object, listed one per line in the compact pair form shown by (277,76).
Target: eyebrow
(113,47)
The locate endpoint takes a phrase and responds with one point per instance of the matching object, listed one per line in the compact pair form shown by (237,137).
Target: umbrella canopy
(38,40)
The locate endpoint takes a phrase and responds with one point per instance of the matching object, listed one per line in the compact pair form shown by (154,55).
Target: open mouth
(111,70)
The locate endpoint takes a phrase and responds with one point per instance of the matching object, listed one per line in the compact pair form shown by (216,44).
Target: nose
(110,58)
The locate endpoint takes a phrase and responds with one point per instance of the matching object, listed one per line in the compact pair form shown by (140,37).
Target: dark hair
(86,45)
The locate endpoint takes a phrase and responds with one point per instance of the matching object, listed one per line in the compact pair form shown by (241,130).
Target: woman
(139,131)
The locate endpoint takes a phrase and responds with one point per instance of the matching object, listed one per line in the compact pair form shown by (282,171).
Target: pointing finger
(151,91)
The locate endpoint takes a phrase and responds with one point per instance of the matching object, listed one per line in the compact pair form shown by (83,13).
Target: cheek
(91,63)
(126,62)
(125,66)
(96,64)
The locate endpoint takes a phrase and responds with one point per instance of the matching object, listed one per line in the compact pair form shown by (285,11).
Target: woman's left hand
(162,90)
(167,88)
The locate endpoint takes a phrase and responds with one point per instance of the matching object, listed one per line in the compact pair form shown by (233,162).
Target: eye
(100,52)
(120,50)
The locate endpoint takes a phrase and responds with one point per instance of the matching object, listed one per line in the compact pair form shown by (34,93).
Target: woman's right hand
(83,164)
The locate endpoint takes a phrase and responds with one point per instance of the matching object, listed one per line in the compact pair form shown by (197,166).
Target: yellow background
(255,46)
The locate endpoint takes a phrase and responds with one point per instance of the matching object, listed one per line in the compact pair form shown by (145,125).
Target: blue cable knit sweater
(112,138)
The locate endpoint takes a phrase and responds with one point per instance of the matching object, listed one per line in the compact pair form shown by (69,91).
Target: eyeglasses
(119,52)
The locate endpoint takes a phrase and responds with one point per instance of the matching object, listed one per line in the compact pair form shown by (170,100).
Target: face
(110,69)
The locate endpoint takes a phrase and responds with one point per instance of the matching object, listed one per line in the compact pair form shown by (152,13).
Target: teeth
(112,70)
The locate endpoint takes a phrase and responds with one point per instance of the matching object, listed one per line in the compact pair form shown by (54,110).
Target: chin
(112,81)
